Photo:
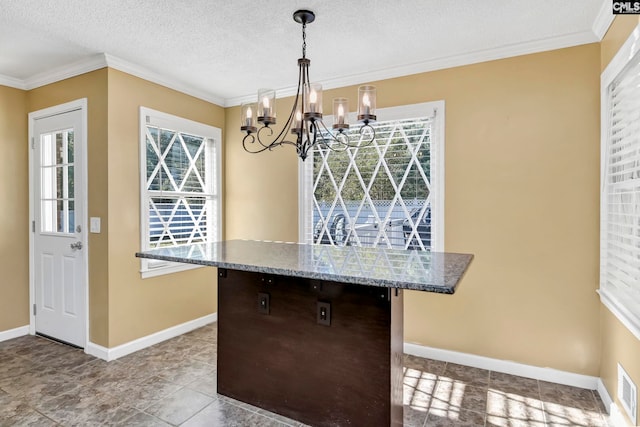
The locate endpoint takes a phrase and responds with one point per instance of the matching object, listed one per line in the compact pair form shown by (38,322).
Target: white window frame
(627,311)
(435,109)
(153,268)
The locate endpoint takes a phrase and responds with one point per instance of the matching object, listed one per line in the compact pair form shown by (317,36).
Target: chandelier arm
(305,139)
(260,132)
(341,139)
(280,139)
(289,121)
(250,139)
(373,134)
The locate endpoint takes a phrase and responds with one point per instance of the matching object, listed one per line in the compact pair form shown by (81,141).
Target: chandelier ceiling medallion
(305,121)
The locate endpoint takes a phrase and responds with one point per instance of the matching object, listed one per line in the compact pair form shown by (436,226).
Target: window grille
(180,183)
(381,194)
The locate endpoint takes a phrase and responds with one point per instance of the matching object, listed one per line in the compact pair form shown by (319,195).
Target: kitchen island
(314,332)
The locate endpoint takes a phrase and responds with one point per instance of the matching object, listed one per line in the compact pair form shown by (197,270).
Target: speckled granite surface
(423,271)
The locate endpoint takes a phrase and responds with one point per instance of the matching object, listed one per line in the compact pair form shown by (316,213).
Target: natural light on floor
(438,393)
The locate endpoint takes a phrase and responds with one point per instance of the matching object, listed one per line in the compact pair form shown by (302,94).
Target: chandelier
(305,121)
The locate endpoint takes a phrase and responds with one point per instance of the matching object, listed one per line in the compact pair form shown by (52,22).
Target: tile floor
(43,383)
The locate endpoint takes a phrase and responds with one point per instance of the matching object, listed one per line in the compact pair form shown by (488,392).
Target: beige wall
(123,307)
(261,190)
(92,86)
(618,343)
(522,153)
(14,217)
(140,307)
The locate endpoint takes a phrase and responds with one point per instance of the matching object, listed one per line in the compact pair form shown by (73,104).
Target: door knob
(76,245)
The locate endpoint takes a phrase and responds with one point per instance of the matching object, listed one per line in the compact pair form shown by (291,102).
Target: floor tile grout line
(194,341)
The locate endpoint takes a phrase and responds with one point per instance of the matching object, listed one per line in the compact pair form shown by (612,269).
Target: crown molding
(146,74)
(603,20)
(86,65)
(102,60)
(12,82)
(503,52)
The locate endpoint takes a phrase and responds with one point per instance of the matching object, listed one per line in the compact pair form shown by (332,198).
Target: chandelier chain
(304,39)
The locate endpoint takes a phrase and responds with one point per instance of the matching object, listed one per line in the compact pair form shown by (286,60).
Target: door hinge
(33,226)
(34,309)
(33,143)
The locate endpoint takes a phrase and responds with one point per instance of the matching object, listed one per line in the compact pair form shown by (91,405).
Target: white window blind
(388,193)
(620,201)
(180,184)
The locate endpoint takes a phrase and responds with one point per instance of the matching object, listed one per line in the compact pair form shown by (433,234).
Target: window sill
(623,313)
(167,269)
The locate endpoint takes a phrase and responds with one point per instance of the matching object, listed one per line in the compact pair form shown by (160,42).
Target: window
(620,192)
(57,190)
(180,185)
(388,193)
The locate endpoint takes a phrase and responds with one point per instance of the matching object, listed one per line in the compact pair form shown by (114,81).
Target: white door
(58,254)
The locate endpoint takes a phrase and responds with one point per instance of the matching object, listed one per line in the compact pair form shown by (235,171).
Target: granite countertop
(391,268)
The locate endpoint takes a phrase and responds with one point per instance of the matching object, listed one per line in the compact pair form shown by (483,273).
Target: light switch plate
(94,224)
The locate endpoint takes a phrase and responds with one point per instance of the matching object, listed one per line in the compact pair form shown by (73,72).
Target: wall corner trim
(114,353)
(504,366)
(14,333)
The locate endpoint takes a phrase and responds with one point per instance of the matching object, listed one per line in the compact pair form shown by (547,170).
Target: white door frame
(79,104)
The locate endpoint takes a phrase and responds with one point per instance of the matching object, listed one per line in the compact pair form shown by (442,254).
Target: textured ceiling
(229,49)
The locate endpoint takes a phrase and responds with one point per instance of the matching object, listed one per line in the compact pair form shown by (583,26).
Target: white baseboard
(114,353)
(14,333)
(604,395)
(504,366)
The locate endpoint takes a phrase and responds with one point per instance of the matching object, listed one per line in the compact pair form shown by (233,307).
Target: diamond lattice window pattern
(377,194)
(179,194)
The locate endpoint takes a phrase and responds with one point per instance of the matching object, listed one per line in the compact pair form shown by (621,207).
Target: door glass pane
(47,150)
(70,146)
(71,219)
(49,216)
(59,182)
(57,189)
(61,216)
(70,182)
(60,148)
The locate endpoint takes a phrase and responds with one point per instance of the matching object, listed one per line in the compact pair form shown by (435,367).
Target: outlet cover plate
(324,313)
(264,303)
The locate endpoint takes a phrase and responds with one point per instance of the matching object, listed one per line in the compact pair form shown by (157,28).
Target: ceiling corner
(603,20)
(12,82)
